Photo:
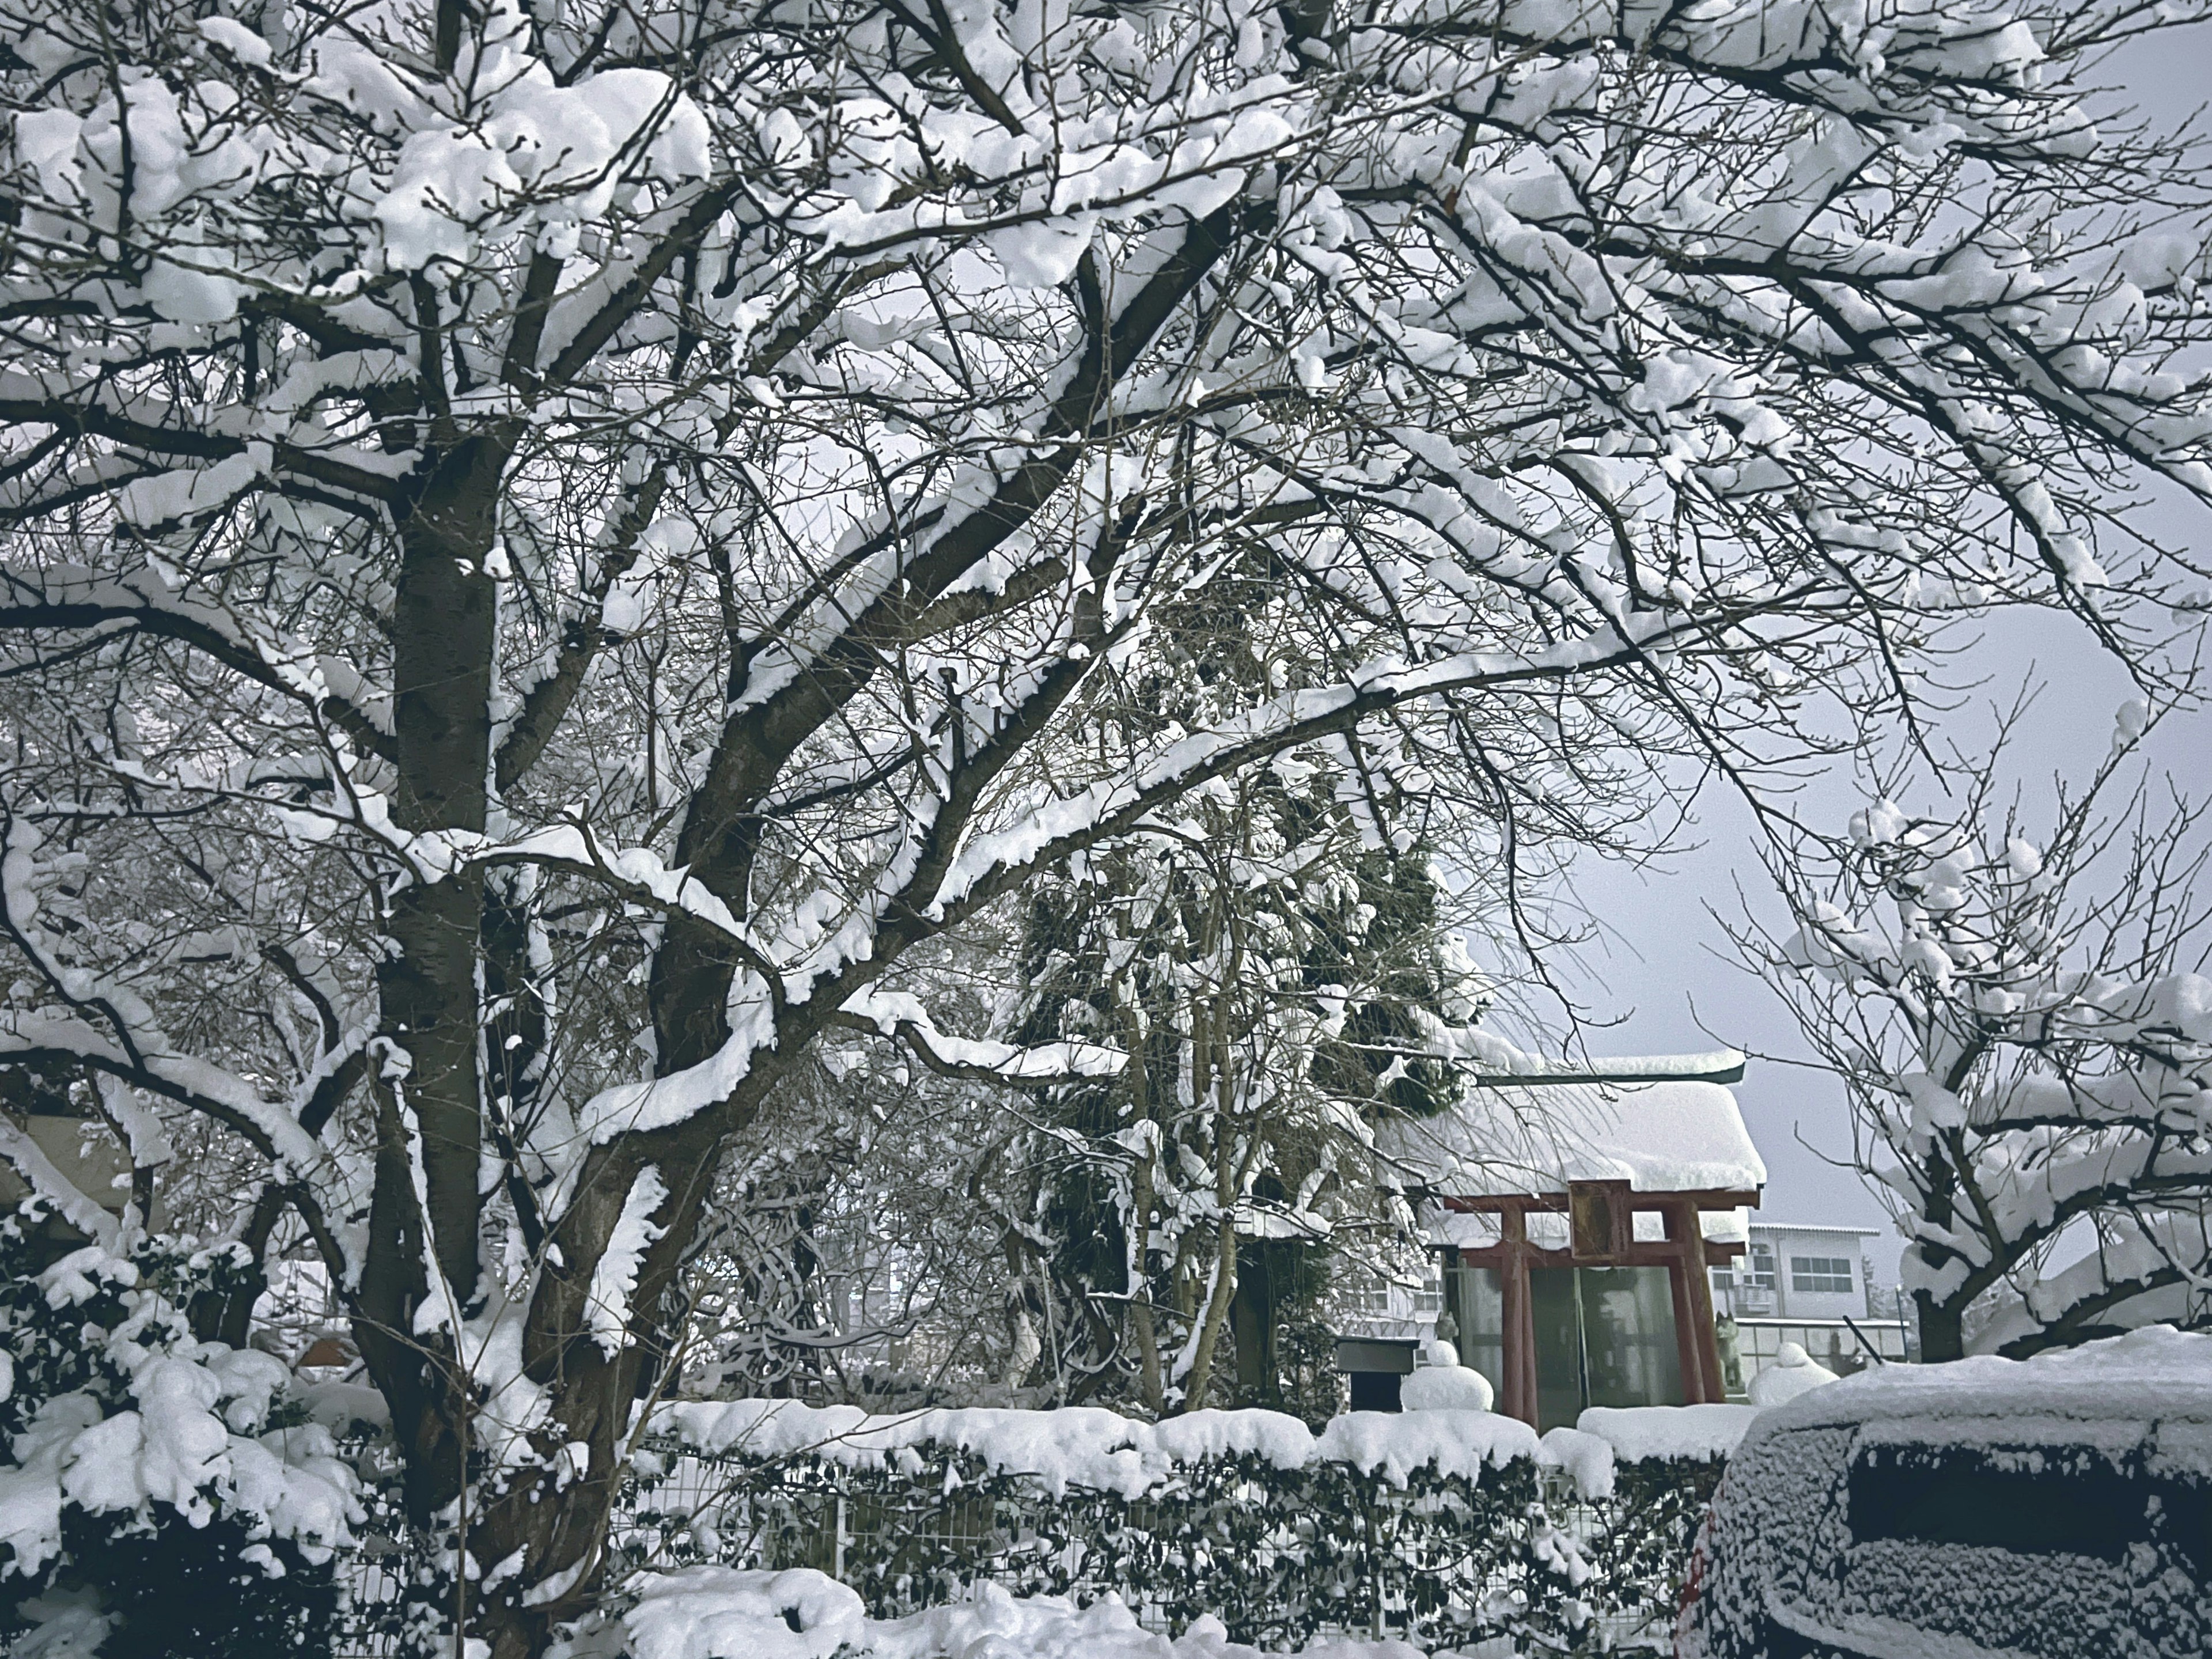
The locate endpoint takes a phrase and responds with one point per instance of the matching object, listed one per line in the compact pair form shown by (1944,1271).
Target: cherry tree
(551,550)
(2025,1032)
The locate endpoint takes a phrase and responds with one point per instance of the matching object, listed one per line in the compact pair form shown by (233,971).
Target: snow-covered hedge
(1445,1527)
(158,1494)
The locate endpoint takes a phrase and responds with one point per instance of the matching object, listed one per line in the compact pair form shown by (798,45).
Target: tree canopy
(551,552)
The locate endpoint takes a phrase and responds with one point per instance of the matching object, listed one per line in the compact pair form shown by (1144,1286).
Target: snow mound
(1445,1388)
(998,1625)
(1792,1373)
(722,1613)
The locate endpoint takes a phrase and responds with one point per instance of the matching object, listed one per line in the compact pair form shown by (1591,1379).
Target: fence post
(1367,1508)
(837,1539)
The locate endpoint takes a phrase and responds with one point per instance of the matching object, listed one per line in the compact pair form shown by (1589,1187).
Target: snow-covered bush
(1444,1527)
(158,1494)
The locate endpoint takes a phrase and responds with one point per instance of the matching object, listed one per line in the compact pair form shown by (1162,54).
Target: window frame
(1817,1275)
(1758,1266)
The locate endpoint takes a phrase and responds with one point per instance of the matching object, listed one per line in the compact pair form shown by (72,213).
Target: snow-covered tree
(550,548)
(2025,1032)
(858,1252)
(1274,985)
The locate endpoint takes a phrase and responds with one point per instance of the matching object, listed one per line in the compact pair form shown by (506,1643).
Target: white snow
(1668,1433)
(1084,1446)
(1445,1388)
(190,1435)
(1658,1137)
(1395,1443)
(2157,1371)
(234,38)
(1587,1460)
(1793,1372)
(615,1279)
(720,1613)
(724,1613)
(1089,1447)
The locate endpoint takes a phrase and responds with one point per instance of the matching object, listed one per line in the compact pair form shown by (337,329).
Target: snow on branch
(898,1015)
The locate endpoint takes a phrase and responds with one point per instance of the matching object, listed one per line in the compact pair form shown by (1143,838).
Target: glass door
(1605,1336)
(1630,1357)
(1558,1318)
(1478,1305)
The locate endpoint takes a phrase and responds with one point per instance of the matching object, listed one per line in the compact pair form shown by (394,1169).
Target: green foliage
(180,1589)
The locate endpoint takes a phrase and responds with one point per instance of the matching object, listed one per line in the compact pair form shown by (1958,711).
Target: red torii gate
(1602,1233)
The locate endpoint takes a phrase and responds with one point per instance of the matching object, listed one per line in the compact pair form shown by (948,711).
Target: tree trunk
(560,1521)
(445,640)
(1139,1285)
(1220,1294)
(1942,1324)
(1942,1328)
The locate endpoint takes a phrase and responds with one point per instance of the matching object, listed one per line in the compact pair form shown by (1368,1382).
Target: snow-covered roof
(1816,1227)
(1658,1137)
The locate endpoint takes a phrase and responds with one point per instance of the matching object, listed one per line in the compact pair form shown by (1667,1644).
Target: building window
(1821,1273)
(1759,1267)
(1368,1294)
(1429,1297)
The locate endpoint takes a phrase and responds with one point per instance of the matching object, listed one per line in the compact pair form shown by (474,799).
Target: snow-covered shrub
(158,1494)
(1448,1527)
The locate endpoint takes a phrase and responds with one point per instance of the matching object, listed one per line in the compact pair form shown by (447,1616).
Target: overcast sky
(1666,974)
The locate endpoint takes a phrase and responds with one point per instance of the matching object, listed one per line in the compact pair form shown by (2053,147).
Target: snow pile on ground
(1102,1450)
(723,1613)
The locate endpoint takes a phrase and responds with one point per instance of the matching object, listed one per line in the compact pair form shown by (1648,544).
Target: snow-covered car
(2058,1507)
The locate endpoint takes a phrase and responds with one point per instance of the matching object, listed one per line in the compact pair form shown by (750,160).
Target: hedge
(1555,1547)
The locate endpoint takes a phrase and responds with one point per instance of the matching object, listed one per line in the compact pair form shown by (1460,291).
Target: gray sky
(1665,970)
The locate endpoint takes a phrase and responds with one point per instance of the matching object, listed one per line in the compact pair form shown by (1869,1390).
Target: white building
(1809,1285)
